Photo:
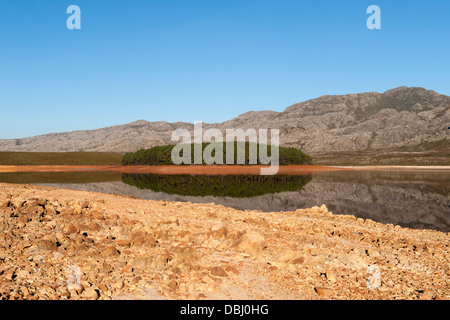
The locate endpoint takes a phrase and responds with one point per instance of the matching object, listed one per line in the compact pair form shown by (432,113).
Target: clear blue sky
(209,60)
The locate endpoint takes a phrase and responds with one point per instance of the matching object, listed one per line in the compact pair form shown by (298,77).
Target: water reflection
(79,177)
(416,199)
(240,186)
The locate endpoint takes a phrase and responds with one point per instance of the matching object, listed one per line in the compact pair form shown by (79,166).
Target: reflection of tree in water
(239,186)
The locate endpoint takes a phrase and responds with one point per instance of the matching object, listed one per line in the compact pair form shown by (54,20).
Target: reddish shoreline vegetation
(204,169)
(143,249)
(172,169)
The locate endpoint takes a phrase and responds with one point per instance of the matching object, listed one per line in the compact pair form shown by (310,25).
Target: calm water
(415,199)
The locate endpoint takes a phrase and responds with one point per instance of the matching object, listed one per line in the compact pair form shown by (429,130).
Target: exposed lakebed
(410,198)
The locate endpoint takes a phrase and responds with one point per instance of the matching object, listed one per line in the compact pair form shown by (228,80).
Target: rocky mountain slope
(401,119)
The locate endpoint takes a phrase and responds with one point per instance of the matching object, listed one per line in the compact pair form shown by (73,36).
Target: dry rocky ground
(127,248)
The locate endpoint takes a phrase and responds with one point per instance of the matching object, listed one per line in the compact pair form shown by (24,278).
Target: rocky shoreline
(65,244)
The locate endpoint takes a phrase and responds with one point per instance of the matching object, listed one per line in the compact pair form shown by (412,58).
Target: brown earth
(128,248)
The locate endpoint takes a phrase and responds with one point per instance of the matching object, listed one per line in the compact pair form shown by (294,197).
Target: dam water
(409,198)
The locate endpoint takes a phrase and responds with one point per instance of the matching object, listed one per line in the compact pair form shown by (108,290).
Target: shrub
(162,155)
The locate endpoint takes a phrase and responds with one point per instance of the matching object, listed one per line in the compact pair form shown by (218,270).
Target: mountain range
(401,119)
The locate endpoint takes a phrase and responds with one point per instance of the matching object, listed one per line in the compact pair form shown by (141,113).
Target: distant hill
(401,119)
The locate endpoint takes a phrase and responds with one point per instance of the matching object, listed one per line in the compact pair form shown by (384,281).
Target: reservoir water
(410,198)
